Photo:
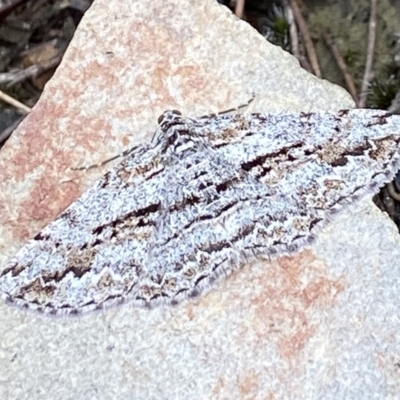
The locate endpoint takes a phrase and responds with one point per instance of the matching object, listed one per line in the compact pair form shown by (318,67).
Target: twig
(312,55)
(15,103)
(30,72)
(239,8)
(294,38)
(370,55)
(337,55)
(392,191)
(305,63)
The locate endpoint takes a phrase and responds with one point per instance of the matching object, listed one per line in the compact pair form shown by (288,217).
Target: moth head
(165,121)
(169,117)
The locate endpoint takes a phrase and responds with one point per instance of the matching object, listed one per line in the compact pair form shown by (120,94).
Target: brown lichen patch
(295,287)
(31,149)
(191,79)
(249,383)
(96,131)
(45,201)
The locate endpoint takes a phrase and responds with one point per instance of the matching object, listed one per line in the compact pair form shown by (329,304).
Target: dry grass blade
(312,55)
(370,55)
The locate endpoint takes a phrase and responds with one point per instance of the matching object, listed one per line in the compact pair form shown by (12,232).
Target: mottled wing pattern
(206,196)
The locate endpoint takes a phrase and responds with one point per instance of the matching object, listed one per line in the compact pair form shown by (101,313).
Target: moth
(207,195)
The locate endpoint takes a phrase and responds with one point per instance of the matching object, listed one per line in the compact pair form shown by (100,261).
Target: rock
(322,324)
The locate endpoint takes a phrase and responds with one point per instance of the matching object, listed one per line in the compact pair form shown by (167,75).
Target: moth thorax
(181,141)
